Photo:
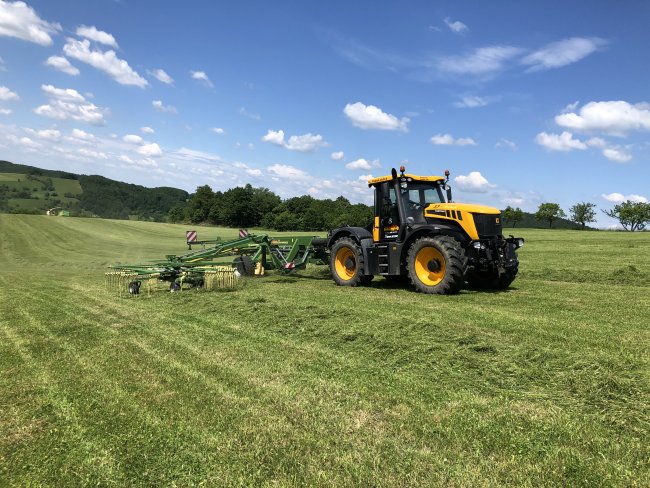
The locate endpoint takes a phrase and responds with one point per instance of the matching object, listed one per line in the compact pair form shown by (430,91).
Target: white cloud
(620,198)
(2,65)
(288,172)
(245,113)
(7,95)
(474,182)
(202,77)
(305,143)
(254,172)
(47,134)
(456,26)
(372,117)
(17,19)
(338,156)
(507,143)
(449,140)
(362,163)
(158,105)
(5,111)
(83,135)
(132,139)
(62,64)
(562,53)
(471,102)
(106,61)
(559,142)
(613,117)
(482,61)
(162,76)
(147,130)
(69,104)
(218,130)
(616,154)
(150,150)
(96,35)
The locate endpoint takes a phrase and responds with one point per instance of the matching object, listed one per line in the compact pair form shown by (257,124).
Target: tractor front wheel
(436,265)
(346,263)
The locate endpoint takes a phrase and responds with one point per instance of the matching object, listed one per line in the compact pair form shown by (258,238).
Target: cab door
(387,224)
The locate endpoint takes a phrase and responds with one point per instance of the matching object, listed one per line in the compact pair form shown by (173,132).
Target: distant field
(36,188)
(294,381)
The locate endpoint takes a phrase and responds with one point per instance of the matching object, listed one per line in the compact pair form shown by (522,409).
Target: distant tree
(583,213)
(200,204)
(632,215)
(513,215)
(549,212)
(177,214)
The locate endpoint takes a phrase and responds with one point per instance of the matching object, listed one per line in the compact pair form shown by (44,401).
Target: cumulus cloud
(616,154)
(372,117)
(7,95)
(362,163)
(613,117)
(82,135)
(106,61)
(562,53)
(559,142)
(5,111)
(162,76)
(620,198)
(150,150)
(202,77)
(471,102)
(69,104)
(255,173)
(17,19)
(62,64)
(158,105)
(287,171)
(481,62)
(132,139)
(455,26)
(218,130)
(338,156)
(449,140)
(147,130)
(474,182)
(91,32)
(305,143)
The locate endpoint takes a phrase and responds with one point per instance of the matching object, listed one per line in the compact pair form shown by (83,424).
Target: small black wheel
(134,287)
(436,265)
(174,287)
(244,265)
(346,263)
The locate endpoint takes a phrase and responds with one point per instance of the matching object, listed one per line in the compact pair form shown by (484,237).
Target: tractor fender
(357,233)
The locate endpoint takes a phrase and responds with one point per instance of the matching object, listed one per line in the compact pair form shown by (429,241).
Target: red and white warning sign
(191,236)
(243,233)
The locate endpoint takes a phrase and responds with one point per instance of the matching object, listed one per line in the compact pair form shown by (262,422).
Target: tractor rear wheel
(436,265)
(346,263)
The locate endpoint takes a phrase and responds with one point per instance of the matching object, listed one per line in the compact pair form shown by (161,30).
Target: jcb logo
(498,220)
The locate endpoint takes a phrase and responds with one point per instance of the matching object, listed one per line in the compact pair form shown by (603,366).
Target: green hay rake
(213,266)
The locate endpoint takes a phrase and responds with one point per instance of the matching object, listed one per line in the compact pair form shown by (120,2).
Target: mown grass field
(294,381)
(36,189)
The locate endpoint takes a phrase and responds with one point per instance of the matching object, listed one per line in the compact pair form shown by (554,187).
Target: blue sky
(524,102)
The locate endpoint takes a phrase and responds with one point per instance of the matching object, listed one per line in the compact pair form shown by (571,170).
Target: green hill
(28,189)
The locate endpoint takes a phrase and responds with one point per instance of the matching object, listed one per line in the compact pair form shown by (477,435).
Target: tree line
(633,216)
(260,207)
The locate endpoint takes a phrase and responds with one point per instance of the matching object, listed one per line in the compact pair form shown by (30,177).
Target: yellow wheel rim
(430,266)
(343,255)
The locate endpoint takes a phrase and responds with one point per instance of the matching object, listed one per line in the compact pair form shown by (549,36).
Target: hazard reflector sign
(243,233)
(191,236)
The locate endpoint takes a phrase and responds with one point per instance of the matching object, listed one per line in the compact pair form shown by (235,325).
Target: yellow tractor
(419,233)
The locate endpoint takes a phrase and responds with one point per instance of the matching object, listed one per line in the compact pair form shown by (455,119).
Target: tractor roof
(381,179)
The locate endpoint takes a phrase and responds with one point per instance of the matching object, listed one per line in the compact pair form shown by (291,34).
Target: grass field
(36,188)
(294,381)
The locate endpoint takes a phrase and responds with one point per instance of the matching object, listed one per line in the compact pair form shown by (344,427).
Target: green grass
(20,182)
(295,381)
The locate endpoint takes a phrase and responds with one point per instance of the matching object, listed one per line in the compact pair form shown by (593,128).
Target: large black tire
(245,265)
(346,263)
(436,265)
(492,280)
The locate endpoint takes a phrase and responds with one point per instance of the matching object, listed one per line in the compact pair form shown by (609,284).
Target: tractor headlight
(520,242)
(478,245)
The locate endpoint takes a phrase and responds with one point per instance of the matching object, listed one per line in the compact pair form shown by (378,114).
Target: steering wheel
(414,205)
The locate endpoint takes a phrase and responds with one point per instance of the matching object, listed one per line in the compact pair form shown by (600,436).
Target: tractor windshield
(417,195)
